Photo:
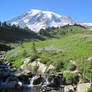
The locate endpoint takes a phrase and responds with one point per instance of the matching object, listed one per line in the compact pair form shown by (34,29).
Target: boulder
(12,78)
(71,67)
(69,88)
(68,82)
(83,87)
(89,59)
(20,83)
(4,74)
(25,63)
(41,67)
(11,84)
(24,79)
(55,80)
(73,62)
(38,80)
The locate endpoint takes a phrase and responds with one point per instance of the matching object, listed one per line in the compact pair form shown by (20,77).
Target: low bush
(59,66)
(34,57)
(71,67)
(34,69)
(69,76)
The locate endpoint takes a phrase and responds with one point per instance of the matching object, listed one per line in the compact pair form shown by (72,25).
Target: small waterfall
(46,81)
(31,83)
(30,87)
(32,80)
(37,88)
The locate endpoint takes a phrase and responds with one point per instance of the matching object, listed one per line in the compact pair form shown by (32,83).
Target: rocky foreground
(23,80)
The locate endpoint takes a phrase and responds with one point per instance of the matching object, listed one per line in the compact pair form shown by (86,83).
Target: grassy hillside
(75,45)
(63,31)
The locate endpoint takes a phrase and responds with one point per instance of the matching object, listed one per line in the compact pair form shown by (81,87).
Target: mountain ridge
(37,19)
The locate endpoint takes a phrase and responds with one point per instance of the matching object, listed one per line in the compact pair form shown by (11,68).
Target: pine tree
(0,23)
(34,48)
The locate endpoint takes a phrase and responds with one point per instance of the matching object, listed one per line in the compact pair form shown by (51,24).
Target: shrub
(34,57)
(69,78)
(59,66)
(24,53)
(53,71)
(45,60)
(17,63)
(71,67)
(34,69)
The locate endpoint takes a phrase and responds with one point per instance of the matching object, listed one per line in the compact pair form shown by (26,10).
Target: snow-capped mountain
(36,20)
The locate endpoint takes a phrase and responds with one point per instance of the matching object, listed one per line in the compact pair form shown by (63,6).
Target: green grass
(69,76)
(34,69)
(73,46)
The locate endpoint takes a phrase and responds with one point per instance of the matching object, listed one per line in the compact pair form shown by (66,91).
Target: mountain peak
(37,19)
(33,11)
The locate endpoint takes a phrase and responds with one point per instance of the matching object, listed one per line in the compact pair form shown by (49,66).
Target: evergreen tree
(0,23)
(4,24)
(34,48)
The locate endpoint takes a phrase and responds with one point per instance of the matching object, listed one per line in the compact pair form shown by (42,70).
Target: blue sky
(76,9)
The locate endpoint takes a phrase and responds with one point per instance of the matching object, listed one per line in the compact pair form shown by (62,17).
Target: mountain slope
(36,20)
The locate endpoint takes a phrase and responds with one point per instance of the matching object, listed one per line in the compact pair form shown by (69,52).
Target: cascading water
(36,88)
(31,83)
(37,83)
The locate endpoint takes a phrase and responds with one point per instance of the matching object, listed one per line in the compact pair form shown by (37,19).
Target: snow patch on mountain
(36,20)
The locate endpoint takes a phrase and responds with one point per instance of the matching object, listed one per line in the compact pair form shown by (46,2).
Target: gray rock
(69,88)
(38,80)
(11,84)
(89,59)
(83,87)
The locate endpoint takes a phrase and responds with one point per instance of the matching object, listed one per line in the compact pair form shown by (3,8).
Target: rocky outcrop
(41,68)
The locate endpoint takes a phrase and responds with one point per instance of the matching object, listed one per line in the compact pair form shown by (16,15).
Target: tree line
(13,33)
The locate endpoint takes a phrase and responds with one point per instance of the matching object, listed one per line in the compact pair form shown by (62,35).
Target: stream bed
(33,89)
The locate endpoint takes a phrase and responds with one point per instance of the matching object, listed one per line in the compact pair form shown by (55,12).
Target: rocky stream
(10,81)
